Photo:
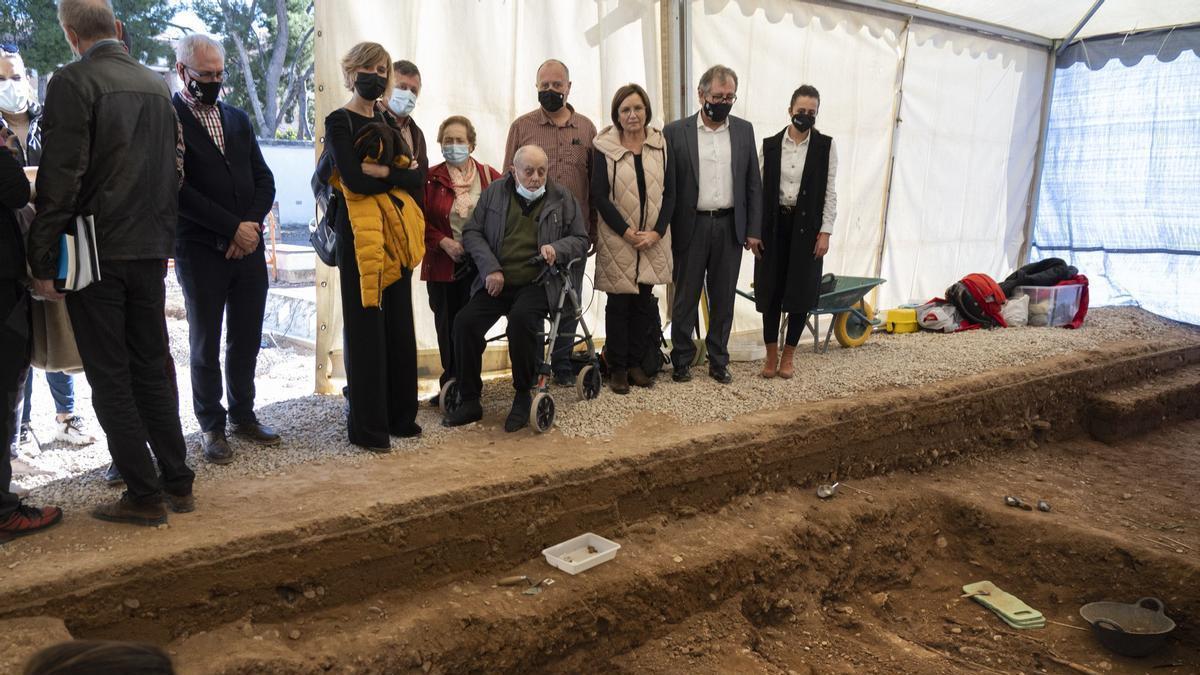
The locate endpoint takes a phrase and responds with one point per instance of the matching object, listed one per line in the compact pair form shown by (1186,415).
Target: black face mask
(204,92)
(550,100)
(717,112)
(370,85)
(803,122)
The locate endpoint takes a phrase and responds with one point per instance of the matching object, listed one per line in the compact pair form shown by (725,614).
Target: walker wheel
(541,412)
(448,399)
(589,383)
(852,331)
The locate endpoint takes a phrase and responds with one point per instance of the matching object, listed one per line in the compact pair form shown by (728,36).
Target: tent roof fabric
(1055,20)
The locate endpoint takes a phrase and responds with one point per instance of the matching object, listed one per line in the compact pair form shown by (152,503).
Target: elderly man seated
(518,217)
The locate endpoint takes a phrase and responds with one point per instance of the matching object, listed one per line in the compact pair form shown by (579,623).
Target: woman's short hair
(85,657)
(457,119)
(624,93)
(364,55)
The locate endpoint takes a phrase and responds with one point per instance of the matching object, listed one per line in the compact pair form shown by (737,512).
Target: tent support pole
(1035,187)
(887,180)
(924,14)
(1066,42)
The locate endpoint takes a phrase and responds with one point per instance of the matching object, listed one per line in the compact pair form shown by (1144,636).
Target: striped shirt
(209,117)
(568,149)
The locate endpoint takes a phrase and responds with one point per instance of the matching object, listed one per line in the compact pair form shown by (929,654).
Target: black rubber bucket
(1134,630)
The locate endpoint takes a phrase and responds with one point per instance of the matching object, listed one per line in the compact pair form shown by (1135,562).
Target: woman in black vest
(799,206)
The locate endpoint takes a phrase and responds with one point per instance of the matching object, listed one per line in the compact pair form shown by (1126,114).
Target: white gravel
(314,428)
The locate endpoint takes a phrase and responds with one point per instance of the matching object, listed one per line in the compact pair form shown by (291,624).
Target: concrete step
(1147,404)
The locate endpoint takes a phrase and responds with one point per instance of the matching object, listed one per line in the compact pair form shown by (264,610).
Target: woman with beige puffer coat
(631,189)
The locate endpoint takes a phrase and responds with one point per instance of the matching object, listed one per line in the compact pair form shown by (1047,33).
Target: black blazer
(221,191)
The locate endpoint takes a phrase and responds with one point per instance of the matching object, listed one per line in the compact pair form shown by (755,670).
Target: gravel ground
(314,428)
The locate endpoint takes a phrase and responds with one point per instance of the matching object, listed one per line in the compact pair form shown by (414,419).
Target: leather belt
(787,210)
(715,213)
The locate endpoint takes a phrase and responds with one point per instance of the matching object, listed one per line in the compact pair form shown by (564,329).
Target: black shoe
(410,430)
(619,381)
(180,503)
(682,374)
(564,379)
(216,448)
(125,510)
(638,377)
(113,477)
(256,432)
(720,374)
(518,417)
(465,413)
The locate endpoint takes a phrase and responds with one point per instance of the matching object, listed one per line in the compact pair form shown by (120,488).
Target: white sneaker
(71,431)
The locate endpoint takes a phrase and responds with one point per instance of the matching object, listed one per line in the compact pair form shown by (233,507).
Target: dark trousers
(215,288)
(629,320)
(805,270)
(446,299)
(379,349)
(123,345)
(15,343)
(560,358)
(526,308)
(713,258)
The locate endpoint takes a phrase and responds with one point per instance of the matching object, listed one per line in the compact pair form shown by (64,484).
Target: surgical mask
(551,100)
(456,153)
(530,195)
(370,85)
(402,101)
(717,112)
(204,92)
(14,97)
(803,122)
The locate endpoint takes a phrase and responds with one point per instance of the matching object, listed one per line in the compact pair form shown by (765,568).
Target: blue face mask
(530,195)
(456,153)
(402,101)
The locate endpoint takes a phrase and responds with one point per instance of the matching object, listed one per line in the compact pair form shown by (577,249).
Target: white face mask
(14,97)
(530,195)
(402,102)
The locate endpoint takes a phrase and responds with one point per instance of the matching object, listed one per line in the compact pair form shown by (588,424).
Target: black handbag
(323,233)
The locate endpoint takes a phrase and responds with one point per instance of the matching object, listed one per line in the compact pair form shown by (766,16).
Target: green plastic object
(1011,609)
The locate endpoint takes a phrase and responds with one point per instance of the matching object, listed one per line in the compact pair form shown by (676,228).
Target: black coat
(802,272)
(221,191)
(14,194)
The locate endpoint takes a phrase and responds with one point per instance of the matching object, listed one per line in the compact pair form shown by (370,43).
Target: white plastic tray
(572,556)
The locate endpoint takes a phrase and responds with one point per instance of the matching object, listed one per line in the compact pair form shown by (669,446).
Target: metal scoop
(827,491)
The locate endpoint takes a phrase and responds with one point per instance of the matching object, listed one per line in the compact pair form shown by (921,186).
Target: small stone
(996,637)
(678,558)
(879,599)
(310,593)
(427,666)
(1105,666)
(941,542)
(1127,496)
(132,603)
(294,635)
(956,630)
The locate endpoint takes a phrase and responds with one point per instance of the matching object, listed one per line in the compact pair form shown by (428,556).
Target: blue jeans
(62,388)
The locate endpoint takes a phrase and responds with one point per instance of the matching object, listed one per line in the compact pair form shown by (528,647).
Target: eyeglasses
(206,74)
(722,99)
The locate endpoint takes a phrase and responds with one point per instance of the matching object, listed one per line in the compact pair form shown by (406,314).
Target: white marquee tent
(939,108)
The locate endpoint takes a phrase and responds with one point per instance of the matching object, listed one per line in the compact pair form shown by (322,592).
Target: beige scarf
(463,180)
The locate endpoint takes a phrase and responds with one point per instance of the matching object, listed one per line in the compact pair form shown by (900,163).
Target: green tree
(33,26)
(269,58)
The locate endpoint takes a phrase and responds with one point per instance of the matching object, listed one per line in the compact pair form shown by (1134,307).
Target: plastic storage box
(581,553)
(902,320)
(1051,305)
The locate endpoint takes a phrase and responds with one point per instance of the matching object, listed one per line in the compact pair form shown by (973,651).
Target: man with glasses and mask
(220,259)
(718,211)
(566,137)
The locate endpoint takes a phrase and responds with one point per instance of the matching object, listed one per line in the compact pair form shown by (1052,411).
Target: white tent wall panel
(479,59)
(852,58)
(966,146)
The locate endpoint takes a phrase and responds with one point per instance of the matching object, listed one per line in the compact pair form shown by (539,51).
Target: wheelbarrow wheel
(589,383)
(448,396)
(541,412)
(850,330)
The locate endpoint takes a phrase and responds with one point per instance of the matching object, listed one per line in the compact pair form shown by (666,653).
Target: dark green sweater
(520,242)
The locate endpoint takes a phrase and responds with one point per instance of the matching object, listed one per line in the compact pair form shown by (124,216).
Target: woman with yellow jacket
(380,240)
(632,190)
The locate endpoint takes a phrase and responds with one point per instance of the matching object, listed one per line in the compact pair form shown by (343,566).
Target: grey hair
(717,72)
(187,46)
(90,19)
(555,61)
(519,155)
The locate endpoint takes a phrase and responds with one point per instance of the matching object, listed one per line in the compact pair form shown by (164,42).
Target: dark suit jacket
(684,154)
(221,191)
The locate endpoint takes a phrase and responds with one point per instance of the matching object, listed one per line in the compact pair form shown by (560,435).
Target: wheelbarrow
(853,316)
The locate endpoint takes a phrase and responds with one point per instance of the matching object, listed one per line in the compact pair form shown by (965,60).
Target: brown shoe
(256,432)
(125,510)
(785,362)
(639,377)
(28,520)
(181,503)
(619,381)
(772,363)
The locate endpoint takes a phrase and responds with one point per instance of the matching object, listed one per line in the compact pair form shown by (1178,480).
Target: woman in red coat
(451,192)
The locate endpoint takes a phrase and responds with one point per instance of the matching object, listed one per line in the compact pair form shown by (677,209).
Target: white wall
(293,164)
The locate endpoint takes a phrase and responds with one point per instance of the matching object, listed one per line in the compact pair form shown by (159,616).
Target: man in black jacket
(109,150)
(16,519)
(219,254)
